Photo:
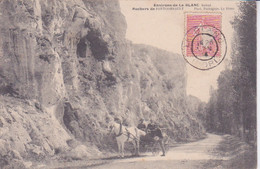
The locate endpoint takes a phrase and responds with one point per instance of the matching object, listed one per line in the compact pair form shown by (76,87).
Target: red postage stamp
(204,45)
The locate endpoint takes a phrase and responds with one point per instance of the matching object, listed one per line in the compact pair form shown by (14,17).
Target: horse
(126,134)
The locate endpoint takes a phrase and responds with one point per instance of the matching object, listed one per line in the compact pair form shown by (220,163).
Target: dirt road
(190,155)
(215,151)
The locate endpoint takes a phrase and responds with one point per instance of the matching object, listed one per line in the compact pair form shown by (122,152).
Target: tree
(232,107)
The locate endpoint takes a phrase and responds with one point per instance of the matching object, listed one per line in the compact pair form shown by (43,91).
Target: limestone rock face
(28,132)
(71,62)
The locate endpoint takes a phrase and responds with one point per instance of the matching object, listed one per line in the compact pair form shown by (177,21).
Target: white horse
(130,134)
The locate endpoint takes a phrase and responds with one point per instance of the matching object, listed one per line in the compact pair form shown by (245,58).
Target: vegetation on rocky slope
(66,68)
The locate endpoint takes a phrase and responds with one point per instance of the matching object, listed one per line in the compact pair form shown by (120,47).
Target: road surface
(187,156)
(201,154)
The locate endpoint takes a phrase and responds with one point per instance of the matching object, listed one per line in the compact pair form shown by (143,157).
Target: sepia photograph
(128,84)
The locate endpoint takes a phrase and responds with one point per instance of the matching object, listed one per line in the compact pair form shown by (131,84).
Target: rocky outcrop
(28,131)
(67,65)
(162,83)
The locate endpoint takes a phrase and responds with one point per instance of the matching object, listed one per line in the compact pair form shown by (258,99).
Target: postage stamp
(204,45)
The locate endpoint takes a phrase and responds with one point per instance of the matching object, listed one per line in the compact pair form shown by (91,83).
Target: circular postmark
(204,47)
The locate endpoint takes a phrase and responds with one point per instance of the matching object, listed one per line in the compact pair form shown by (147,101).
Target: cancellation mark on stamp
(204,45)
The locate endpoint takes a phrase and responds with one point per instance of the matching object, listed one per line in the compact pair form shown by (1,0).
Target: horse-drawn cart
(150,143)
(147,142)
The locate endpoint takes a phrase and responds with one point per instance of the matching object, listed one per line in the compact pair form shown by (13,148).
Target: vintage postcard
(123,84)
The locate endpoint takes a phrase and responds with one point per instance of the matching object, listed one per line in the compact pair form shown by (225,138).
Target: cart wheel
(155,152)
(148,149)
(156,149)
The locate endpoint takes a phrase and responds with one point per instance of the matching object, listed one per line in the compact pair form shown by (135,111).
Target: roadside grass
(236,155)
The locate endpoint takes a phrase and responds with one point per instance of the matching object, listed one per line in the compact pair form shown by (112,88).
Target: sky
(165,29)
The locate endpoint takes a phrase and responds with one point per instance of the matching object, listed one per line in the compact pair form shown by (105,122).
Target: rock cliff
(66,68)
